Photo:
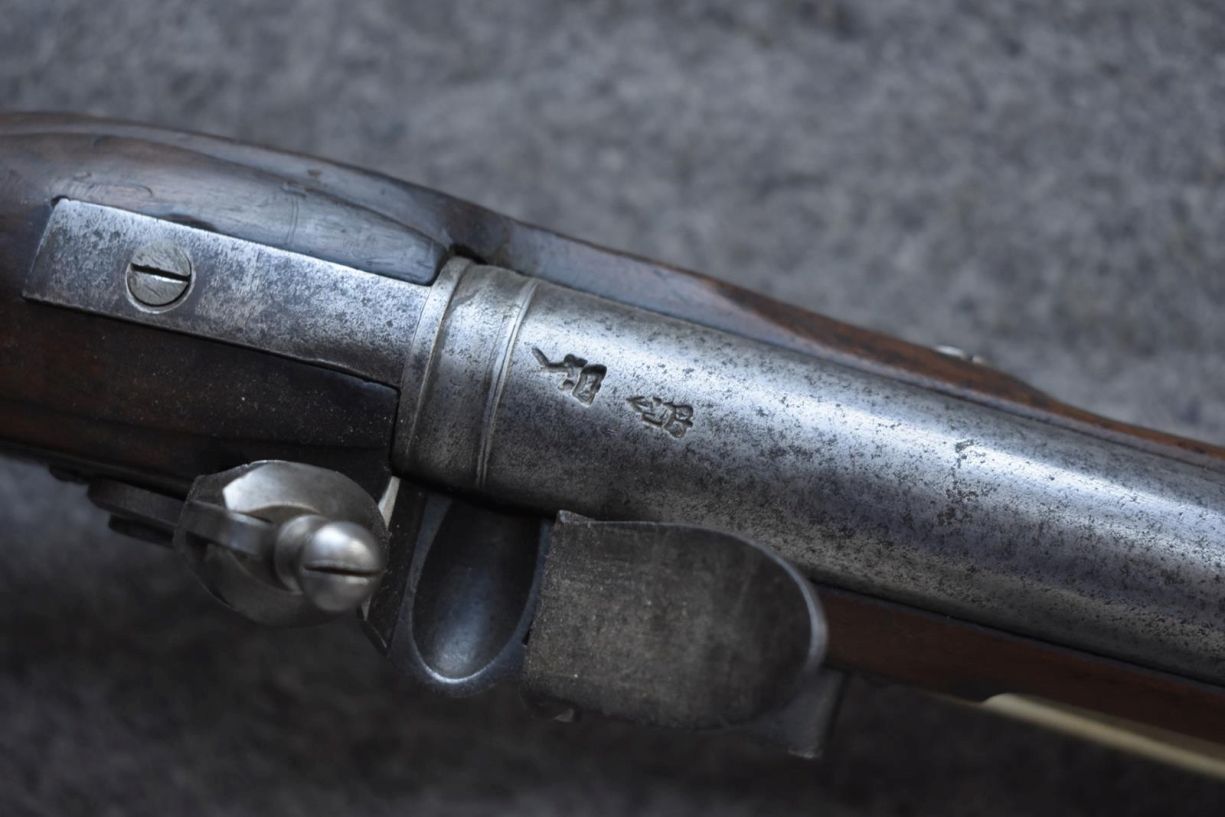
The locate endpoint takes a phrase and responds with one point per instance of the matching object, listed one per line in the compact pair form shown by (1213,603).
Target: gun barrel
(313,326)
(543,396)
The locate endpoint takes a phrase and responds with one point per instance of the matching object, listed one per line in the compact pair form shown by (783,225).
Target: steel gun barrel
(549,398)
(633,489)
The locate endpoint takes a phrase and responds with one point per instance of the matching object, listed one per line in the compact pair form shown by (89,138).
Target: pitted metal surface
(480,327)
(862,481)
(235,291)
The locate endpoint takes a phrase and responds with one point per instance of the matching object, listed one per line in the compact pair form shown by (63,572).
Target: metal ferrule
(546,397)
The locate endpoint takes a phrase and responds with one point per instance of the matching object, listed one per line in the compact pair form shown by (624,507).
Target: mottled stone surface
(1040,182)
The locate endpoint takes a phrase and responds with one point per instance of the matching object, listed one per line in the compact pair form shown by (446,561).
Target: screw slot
(159,275)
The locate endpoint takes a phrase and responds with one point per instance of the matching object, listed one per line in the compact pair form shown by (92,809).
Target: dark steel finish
(136,512)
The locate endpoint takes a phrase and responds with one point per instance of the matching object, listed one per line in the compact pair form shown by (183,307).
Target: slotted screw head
(159,274)
(336,565)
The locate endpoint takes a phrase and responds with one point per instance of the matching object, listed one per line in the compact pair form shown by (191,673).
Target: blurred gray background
(1039,182)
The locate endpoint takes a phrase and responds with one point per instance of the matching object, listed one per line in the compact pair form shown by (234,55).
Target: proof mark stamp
(580,379)
(674,418)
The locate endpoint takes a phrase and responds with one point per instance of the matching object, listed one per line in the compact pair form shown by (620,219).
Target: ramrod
(631,489)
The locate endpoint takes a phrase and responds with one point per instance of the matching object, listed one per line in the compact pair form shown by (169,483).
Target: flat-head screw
(159,274)
(336,565)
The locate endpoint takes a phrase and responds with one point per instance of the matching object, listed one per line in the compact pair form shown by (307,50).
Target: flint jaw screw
(334,564)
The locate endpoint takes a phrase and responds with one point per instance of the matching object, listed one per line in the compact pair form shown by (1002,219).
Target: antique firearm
(635,490)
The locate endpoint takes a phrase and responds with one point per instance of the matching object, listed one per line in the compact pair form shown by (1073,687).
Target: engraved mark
(674,418)
(580,379)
